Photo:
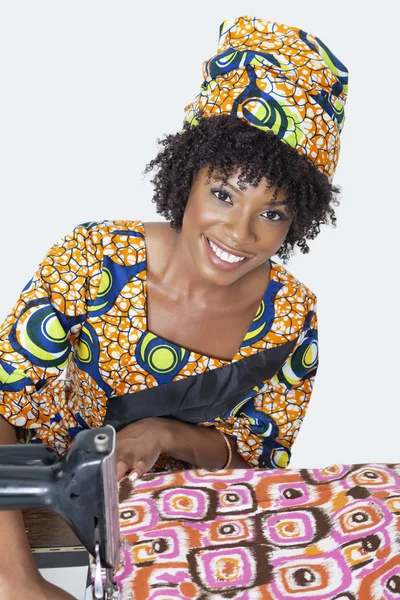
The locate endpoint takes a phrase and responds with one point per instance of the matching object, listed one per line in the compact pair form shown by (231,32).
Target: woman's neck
(170,267)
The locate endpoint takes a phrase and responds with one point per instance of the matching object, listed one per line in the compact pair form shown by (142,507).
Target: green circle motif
(53,330)
(280,458)
(105,283)
(261,110)
(163,359)
(226,60)
(84,352)
(310,355)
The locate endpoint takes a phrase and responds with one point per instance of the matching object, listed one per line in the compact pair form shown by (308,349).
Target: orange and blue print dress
(76,352)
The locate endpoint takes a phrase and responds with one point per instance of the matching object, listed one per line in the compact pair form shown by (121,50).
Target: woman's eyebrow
(267,203)
(275,203)
(233,187)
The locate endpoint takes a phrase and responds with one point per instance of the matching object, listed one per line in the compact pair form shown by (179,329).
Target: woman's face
(229,231)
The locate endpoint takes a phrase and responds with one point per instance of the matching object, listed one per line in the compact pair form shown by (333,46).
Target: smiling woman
(162,327)
(227,150)
(186,335)
(240,232)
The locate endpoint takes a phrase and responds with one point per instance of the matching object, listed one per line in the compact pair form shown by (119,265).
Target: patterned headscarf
(277,78)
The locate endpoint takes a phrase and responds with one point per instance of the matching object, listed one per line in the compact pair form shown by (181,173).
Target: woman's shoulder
(115,228)
(290,285)
(116,242)
(113,235)
(125,243)
(130,228)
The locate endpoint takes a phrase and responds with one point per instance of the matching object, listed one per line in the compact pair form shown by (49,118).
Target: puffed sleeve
(266,423)
(37,336)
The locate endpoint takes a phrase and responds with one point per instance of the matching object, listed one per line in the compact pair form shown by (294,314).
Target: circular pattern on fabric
(326,474)
(224,568)
(268,113)
(259,326)
(87,355)
(310,356)
(236,499)
(280,79)
(275,457)
(296,549)
(293,527)
(309,577)
(303,360)
(12,379)
(361,517)
(139,515)
(393,504)
(105,283)
(168,544)
(162,359)
(393,584)
(376,477)
(84,352)
(234,530)
(39,336)
(114,278)
(183,503)
(362,552)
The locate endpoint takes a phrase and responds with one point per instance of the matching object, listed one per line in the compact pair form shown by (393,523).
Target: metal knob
(101,442)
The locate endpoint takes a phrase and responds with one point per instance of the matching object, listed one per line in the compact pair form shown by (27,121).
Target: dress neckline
(237,356)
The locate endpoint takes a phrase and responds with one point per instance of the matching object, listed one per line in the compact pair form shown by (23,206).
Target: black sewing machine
(81,487)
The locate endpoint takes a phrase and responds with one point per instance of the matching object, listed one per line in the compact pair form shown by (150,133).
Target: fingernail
(133,476)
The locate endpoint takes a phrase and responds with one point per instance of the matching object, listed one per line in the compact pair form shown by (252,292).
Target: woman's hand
(139,445)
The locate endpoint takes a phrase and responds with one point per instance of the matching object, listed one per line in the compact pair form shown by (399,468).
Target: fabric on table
(312,534)
(78,336)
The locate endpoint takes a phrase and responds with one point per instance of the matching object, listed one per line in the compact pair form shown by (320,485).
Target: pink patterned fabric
(316,534)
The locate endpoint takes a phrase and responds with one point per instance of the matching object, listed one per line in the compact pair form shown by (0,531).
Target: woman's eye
(273,215)
(222,195)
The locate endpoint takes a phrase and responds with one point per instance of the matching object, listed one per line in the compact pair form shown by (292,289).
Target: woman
(161,328)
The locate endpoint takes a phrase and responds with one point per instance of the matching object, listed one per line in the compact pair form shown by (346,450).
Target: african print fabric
(311,534)
(277,78)
(202,398)
(78,336)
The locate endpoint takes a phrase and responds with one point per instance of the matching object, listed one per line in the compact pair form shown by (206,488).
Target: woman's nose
(239,230)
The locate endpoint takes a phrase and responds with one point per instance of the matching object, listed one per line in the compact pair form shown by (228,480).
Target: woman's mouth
(222,258)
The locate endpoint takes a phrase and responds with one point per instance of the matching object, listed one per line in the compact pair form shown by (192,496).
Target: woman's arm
(14,548)
(19,576)
(200,446)
(140,444)
(37,337)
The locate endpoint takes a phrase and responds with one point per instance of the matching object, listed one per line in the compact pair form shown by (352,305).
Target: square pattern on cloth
(249,534)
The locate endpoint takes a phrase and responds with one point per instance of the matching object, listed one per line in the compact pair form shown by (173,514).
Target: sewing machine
(81,487)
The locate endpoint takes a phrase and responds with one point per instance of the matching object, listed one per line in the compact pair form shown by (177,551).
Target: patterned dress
(77,342)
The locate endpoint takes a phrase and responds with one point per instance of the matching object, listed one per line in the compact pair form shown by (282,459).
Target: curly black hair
(226,144)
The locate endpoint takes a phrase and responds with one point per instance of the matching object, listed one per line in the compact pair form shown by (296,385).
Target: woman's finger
(141,467)
(122,468)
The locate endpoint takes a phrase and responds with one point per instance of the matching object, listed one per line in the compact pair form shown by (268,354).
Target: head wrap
(277,78)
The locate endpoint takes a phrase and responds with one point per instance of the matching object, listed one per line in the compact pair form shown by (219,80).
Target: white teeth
(225,256)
